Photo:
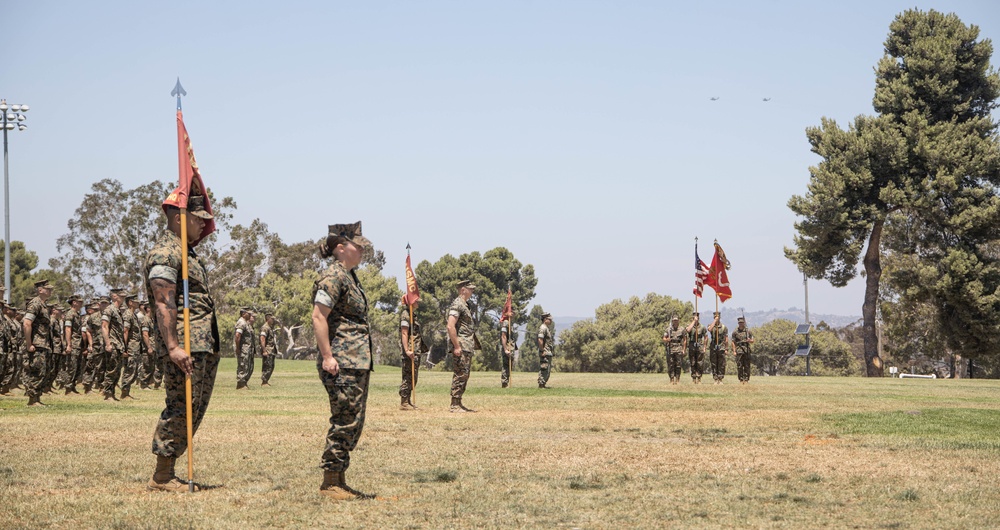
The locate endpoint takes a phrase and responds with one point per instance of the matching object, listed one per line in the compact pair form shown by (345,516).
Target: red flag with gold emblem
(718,275)
(412,292)
(508,307)
(190,183)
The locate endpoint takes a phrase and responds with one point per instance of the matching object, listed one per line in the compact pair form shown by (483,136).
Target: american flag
(700,273)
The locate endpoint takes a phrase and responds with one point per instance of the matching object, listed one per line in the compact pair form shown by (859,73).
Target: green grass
(595,451)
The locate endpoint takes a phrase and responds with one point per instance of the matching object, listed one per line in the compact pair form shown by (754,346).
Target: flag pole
(413,360)
(178,92)
(510,333)
(696,255)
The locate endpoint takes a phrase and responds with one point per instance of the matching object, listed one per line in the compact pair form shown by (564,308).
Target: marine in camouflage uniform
(133,345)
(508,345)
(148,368)
(694,340)
(163,268)
(462,335)
(93,373)
(56,358)
(343,334)
(268,349)
(157,360)
(73,338)
(673,340)
(546,348)
(113,331)
(718,347)
(412,346)
(6,346)
(742,340)
(244,340)
(38,339)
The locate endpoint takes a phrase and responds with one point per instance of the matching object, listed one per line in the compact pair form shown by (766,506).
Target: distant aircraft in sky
(714,98)
(767,99)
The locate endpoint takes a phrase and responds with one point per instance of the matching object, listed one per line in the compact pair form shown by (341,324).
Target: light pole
(11,115)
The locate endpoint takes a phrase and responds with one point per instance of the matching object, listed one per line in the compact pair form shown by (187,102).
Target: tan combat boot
(456,405)
(164,478)
(333,486)
(404,404)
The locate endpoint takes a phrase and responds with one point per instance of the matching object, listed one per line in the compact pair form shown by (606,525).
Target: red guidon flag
(508,308)
(412,292)
(190,183)
(718,275)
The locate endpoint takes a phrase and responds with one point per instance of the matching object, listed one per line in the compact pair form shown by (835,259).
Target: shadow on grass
(436,475)
(584,392)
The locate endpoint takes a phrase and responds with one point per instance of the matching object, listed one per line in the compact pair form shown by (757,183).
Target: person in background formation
(38,339)
(546,348)
(742,340)
(673,339)
(93,375)
(695,339)
(148,366)
(7,354)
(718,348)
(243,345)
(268,348)
(411,342)
(19,347)
(343,336)
(113,331)
(462,335)
(132,354)
(508,345)
(75,339)
(163,275)
(154,339)
(56,358)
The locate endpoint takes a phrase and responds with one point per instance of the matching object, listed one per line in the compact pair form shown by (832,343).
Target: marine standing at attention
(343,336)
(546,348)
(694,342)
(673,339)
(412,345)
(164,289)
(38,342)
(268,348)
(463,340)
(742,339)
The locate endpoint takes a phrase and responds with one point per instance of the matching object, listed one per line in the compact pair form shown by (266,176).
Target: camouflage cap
(42,283)
(466,283)
(131,297)
(268,315)
(73,298)
(118,291)
(546,315)
(741,319)
(350,232)
(196,207)
(246,310)
(675,317)
(104,300)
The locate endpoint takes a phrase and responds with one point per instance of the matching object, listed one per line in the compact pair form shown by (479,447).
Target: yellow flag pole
(187,349)
(413,360)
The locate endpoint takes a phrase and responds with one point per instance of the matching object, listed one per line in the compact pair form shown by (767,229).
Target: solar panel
(803,350)
(802,329)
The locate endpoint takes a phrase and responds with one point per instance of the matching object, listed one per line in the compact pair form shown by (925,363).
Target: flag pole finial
(178,91)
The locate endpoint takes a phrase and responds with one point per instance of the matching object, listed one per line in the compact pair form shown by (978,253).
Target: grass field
(595,451)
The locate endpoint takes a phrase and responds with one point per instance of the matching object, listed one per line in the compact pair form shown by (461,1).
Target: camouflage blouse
(741,339)
(270,339)
(116,326)
(350,338)
(41,327)
(675,338)
(548,340)
(164,262)
(696,338)
(464,325)
(74,322)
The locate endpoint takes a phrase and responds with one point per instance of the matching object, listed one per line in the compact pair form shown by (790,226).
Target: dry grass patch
(596,451)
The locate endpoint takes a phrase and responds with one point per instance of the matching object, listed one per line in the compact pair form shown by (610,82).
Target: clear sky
(578,134)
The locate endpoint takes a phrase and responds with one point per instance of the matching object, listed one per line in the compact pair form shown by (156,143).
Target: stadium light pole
(11,115)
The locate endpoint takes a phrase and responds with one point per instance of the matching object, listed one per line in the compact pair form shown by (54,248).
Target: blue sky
(580,135)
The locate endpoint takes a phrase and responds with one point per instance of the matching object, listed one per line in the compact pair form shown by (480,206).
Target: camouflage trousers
(506,365)
(113,362)
(150,370)
(411,375)
(717,361)
(53,363)
(93,371)
(130,370)
(460,375)
(170,436)
(743,365)
(674,361)
(266,367)
(33,371)
(72,370)
(348,393)
(544,369)
(7,363)
(244,367)
(697,358)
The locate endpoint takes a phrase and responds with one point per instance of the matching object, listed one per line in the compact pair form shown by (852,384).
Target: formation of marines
(49,347)
(695,339)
